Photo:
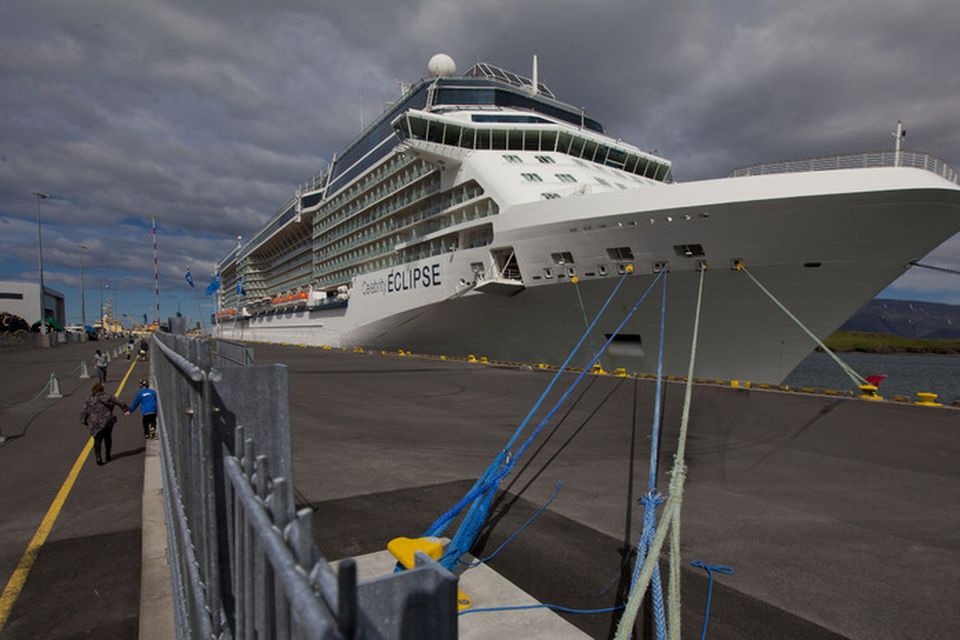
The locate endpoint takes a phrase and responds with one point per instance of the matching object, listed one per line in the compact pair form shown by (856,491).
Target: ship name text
(398,281)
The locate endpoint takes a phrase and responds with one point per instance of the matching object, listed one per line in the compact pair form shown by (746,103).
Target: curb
(156,598)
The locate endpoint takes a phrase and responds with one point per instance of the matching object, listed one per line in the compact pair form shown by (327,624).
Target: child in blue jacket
(147,401)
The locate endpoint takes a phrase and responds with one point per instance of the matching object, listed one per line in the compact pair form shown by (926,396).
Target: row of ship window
(539,139)
(336,264)
(437,205)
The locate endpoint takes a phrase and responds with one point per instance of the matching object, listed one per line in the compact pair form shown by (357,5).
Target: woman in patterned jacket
(98,415)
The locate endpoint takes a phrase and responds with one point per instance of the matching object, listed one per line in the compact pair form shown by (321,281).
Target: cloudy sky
(208,114)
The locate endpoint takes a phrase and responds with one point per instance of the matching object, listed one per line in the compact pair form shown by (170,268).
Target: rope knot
(651,499)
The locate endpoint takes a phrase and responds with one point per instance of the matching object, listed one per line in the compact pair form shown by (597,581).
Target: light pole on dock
(43,321)
(83,290)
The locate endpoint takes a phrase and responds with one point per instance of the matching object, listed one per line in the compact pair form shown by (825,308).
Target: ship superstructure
(457,222)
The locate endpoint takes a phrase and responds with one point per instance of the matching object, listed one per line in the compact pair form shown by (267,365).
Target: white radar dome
(441,66)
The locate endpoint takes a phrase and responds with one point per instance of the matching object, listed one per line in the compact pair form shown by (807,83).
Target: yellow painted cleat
(472,358)
(463,601)
(927,399)
(597,369)
(405,549)
(574,280)
(869,392)
(620,372)
(629,268)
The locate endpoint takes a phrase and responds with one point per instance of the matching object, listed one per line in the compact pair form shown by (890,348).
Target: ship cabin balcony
(511,131)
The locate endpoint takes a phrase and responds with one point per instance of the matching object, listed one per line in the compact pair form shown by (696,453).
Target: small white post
(54,387)
(84,374)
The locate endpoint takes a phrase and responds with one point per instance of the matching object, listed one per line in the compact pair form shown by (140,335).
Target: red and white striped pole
(156,270)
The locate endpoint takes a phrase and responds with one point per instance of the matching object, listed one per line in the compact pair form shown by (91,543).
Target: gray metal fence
(243,560)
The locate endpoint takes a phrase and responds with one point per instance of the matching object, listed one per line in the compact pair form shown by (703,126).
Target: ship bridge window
(512,118)
(562,257)
(545,159)
(498,140)
(532,177)
(509,157)
(620,253)
(565,177)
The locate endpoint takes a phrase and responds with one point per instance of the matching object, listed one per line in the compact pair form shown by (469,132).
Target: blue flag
(240,290)
(189,278)
(214,284)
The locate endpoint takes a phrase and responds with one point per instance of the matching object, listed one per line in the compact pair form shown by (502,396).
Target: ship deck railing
(862,160)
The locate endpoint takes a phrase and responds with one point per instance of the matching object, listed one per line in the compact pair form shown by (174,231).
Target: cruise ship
(481,215)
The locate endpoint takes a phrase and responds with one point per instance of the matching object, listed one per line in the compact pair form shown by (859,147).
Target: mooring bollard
(84,374)
(54,387)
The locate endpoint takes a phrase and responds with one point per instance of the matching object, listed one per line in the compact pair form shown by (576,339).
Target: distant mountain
(907,318)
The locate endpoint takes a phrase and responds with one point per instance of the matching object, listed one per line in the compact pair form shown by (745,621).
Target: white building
(23,299)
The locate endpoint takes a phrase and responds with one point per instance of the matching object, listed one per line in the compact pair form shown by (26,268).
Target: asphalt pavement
(85,580)
(838,516)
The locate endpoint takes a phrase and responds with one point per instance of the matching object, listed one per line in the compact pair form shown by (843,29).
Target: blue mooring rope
(652,499)
(483,490)
(520,529)
(710,569)
(554,607)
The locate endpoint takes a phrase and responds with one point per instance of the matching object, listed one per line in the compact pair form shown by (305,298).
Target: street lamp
(101,270)
(43,312)
(83,293)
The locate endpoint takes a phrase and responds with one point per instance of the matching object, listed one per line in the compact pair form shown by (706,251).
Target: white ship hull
(824,243)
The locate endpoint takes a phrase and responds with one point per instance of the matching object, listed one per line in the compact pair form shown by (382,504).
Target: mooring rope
(583,310)
(914,263)
(652,499)
(670,517)
(483,492)
(847,369)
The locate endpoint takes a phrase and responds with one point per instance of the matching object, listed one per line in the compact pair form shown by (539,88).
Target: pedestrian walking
(100,362)
(144,348)
(98,416)
(129,346)
(147,401)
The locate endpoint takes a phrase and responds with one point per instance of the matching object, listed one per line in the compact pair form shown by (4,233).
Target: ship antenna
(535,88)
(900,134)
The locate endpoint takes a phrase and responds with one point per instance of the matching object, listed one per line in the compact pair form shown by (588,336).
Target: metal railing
(242,559)
(230,353)
(862,160)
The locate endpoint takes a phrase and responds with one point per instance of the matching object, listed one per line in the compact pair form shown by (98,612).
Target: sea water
(906,373)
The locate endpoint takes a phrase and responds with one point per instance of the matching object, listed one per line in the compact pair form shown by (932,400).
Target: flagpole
(156,270)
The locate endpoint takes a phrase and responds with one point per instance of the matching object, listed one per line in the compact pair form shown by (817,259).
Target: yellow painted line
(19,578)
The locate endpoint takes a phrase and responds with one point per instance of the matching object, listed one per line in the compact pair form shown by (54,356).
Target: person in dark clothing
(100,362)
(144,348)
(147,401)
(98,416)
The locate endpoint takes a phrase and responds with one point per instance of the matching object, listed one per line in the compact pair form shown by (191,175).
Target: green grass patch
(888,343)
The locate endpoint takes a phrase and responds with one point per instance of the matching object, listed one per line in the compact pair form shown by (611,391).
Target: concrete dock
(85,580)
(838,515)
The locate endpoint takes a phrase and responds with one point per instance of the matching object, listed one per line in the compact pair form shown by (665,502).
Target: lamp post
(43,321)
(101,270)
(83,291)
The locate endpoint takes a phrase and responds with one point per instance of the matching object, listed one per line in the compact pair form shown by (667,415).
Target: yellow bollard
(869,392)
(927,399)
(472,358)
(620,372)
(405,549)
(597,369)
(483,360)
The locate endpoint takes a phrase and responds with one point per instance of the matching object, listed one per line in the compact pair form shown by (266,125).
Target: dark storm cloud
(207,115)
